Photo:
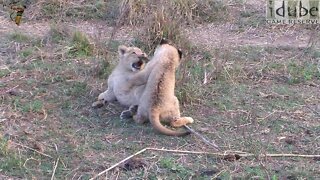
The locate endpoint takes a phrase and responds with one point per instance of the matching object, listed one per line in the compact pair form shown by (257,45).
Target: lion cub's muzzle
(143,59)
(138,65)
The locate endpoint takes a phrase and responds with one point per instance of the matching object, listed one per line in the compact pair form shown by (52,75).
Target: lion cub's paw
(100,102)
(101,97)
(189,120)
(181,121)
(127,114)
(97,104)
(133,109)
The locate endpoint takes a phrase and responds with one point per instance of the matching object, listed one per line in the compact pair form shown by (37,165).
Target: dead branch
(24,146)
(117,164)
(205,140)
(55,168)
(314,111)
(9,90)
(224,154)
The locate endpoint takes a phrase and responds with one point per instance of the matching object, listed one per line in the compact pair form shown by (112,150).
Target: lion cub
(131,61)
(158,102)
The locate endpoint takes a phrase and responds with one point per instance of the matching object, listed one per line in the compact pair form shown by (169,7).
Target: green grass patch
(76,89)
(24,105)
(10,162)
(26,52)
(57,34)
(316,54)
(256,172)
(80,45)
(106,66)
(18,37)
(92,10)
(177,170)
(250,17)
(4,72)
(302,72)
(87,10)
(51,9)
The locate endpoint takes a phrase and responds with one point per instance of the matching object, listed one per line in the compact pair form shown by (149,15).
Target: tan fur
(120,87)
(158,102)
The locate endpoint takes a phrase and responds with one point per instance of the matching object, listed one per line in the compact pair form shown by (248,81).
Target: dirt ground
(253,87)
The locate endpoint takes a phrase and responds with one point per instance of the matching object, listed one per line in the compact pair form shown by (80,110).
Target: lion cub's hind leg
(139,119)
(179,122)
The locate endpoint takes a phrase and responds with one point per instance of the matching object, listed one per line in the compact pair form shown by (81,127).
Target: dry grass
(244,94)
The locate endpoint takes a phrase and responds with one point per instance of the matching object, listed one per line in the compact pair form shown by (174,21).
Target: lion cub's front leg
(132,112)
(107,96)
(129,113)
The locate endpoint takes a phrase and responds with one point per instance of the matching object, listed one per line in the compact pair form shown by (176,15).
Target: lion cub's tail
(155,121)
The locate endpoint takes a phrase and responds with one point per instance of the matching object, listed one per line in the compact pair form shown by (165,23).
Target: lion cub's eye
(133,52)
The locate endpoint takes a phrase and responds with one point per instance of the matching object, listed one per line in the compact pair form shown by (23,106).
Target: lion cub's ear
(122,49)
(180,53)
(164,41)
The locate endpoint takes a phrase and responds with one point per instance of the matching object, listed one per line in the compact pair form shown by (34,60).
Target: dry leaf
(290,140)
(232,157)
(38,146)
(133,163)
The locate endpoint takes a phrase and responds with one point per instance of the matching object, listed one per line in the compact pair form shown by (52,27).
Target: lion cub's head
(132,58)
(166,49)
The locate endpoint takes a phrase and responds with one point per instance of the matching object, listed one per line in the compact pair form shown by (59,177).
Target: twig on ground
(117,164)
(55,168)
(27,160)
(224,154)
(45,115)
(43,154)
(9,90)
(205,140)
(314,111)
